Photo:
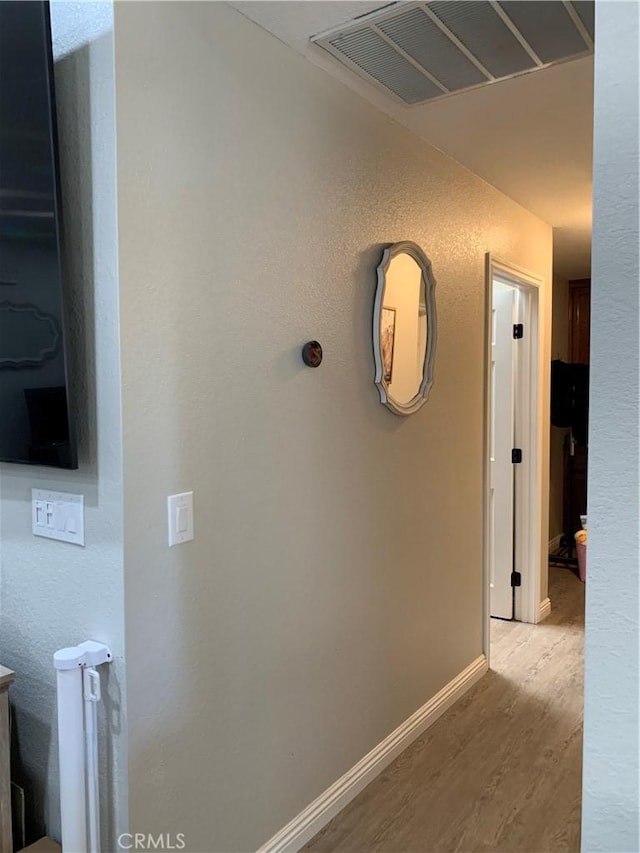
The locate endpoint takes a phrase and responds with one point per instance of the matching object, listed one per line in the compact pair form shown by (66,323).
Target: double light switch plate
(57,515)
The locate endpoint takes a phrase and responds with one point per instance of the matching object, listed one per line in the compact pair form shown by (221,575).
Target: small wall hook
(312,354)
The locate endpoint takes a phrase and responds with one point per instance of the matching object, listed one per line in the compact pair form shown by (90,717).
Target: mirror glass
(403,329)
(405,326)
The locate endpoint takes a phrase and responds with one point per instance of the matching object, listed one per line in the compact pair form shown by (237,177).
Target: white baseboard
(554,543)
(318,813)
(544,610)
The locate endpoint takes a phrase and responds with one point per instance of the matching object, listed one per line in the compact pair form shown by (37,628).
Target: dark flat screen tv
(35,423)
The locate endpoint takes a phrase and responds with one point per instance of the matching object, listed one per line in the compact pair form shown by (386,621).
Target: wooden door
(579,320)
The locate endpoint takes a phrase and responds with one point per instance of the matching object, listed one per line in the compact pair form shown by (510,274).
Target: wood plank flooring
(499,771)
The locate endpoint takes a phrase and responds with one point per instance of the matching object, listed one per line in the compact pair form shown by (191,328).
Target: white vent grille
(486,35)
(586,13)
(425,42)
(546,26)
(366,49)
(422,51)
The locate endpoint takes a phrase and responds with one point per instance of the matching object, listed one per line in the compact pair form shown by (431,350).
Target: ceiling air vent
(377,58)
(419,52)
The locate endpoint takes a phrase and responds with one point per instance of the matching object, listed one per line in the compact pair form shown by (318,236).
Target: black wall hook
(312,354)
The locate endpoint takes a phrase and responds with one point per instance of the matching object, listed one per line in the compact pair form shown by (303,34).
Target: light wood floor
(501,770)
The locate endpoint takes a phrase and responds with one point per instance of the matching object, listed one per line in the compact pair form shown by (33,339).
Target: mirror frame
(388,254)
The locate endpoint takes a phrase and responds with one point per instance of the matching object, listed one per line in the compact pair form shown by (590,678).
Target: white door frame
(528,490)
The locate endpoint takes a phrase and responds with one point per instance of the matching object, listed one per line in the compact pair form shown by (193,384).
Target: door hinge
(516,579)
(516,455)
(518,331)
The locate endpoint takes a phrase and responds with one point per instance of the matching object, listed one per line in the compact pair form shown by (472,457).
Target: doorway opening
(513,560)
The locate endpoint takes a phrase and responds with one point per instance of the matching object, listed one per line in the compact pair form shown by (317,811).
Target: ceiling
(530,136)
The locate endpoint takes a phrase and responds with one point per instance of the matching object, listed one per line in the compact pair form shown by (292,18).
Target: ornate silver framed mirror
(404,328)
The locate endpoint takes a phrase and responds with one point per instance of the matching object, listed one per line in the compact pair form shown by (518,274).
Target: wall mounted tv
(35,426)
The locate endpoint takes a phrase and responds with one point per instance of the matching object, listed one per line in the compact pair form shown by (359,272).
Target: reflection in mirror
(404,328)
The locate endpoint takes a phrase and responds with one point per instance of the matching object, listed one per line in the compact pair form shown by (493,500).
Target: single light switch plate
(180,518)
(57,515)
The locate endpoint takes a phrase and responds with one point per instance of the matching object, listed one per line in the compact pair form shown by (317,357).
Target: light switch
(57,515)
(180,518)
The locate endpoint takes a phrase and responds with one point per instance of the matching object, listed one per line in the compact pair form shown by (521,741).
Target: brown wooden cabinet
(579,320)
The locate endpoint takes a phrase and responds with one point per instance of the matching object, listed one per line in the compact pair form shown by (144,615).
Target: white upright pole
(78,695)
(71,751)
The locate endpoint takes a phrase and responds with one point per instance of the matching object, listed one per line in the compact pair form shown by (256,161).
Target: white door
(501,518)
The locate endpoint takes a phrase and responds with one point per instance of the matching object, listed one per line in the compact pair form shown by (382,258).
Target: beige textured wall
(335,581)
(559,349)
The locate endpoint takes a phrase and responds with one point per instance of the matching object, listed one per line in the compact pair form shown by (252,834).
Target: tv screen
(35,427)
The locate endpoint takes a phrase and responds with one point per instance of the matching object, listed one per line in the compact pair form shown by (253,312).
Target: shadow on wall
(73,88)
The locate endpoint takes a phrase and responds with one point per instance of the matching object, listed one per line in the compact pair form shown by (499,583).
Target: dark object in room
(560,394)
(570,410)
(570,398)
(312,354)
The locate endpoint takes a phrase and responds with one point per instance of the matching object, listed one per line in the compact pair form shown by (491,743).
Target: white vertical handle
(71,748)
